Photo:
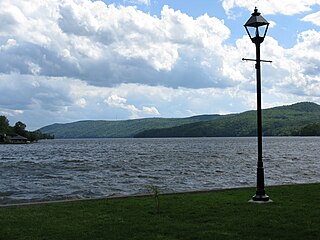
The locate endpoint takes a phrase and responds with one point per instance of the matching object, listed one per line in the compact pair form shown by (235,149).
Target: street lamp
(257,28)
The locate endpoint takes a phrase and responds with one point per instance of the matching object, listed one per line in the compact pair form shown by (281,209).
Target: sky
(69,60)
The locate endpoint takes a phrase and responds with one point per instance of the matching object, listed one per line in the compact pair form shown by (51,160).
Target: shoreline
(111,197)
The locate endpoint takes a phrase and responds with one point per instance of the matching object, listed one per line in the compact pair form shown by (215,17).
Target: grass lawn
(294,214)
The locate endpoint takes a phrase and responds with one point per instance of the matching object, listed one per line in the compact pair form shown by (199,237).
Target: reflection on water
(60,169)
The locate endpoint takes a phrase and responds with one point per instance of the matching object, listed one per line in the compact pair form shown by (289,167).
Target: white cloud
(108,45)
(120,102)
(116,101)
(314,18)
(150,110)
(138,2)
(81,102)
(9,44)
(11,113)
(286,7)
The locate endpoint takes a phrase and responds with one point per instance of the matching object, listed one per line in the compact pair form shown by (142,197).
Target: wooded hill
(117,129)
(301,119)
(293,120)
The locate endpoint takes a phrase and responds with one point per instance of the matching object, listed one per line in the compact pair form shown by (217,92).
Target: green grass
(294,214)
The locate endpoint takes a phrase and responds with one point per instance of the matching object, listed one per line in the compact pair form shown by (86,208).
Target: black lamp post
(256,28)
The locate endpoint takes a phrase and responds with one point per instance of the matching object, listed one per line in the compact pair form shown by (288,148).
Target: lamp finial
(255,12)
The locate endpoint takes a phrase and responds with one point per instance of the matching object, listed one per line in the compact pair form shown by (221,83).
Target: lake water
(88,168)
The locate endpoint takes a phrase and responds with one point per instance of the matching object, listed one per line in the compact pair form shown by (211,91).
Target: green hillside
(297,119)
(110,129)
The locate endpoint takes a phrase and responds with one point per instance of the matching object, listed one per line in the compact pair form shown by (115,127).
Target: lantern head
(256,27)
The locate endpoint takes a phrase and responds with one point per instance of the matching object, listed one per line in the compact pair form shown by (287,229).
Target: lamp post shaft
(260,192)
(259,112)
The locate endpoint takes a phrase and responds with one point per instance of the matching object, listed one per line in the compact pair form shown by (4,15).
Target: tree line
(20,129)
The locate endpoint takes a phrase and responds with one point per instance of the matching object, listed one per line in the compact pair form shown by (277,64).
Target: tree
(20,128)
(311,130)
(4,124)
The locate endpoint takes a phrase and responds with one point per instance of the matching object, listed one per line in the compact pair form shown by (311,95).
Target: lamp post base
(260,199)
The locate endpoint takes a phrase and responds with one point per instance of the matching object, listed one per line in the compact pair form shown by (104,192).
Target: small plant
(154,190)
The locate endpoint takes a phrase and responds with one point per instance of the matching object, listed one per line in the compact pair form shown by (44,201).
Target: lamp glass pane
(262,30)
(252,31)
